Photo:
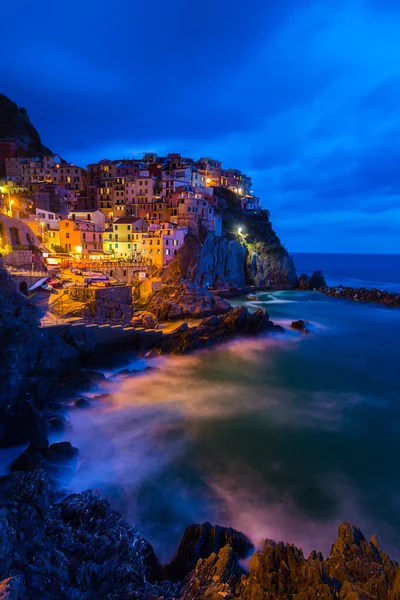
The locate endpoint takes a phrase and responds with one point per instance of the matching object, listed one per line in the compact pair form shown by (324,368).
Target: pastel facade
(118,237)
(159,246)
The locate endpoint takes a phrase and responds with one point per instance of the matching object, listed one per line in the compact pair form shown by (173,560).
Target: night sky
(302,96)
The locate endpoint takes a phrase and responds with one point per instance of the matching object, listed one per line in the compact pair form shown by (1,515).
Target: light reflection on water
(280,437)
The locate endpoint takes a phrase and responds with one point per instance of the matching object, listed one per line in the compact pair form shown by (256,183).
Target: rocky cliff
(248,253)
(30,358)
(15,124)
(81,549)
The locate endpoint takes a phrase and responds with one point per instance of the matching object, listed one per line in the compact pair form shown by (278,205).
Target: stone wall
(113,304)
(20,259)
(122,273)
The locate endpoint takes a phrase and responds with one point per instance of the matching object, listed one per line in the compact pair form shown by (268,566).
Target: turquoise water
(280,437)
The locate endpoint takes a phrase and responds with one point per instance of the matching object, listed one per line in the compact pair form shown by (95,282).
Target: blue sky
(303,96)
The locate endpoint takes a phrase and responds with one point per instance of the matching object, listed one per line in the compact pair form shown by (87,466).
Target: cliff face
(30,358)
(255,256)
(219,262)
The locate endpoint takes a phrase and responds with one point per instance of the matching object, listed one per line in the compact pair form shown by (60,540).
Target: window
(167,252)
(67,235)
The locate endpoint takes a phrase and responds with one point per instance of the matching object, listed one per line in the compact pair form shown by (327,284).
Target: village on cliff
(123,219)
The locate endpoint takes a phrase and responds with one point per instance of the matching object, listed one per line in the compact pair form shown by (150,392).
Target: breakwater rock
(216,330)
(389,299)
(315,282)
(81,549)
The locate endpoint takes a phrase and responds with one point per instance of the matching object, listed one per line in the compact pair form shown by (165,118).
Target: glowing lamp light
(208,180)
(78,249)
(240,191)
(240,229)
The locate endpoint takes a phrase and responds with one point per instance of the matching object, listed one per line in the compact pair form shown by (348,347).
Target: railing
(29,273)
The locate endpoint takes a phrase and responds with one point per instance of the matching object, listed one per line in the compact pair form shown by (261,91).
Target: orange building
(70,236)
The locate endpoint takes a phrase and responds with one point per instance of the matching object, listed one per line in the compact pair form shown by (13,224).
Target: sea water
(281,436)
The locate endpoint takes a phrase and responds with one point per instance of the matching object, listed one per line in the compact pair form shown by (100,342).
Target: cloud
(304,99)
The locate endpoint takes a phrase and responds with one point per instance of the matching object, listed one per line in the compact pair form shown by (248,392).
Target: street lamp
(240,229)
(11,203)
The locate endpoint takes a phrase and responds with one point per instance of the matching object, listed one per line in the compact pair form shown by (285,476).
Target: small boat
(46,287)
(252,297)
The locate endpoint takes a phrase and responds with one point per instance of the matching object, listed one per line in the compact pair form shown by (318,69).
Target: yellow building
(118,238)
(160,244)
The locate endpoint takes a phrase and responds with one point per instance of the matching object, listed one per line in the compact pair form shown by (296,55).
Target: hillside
(15,124)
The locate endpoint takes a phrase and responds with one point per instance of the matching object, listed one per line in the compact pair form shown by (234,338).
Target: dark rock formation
(82,403)
(199,541)
(185,300)
(300,325)
(355,570)
(36,457)
(144,319)
(255,257)
(78,549)
(81,549)
(216,330)
(389,299)
(30,358)
(315,282)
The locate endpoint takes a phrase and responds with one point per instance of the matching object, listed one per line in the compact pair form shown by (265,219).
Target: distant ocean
(356,270)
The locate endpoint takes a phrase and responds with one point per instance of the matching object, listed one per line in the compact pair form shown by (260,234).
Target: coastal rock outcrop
(29,359)
(389,299)
(185,300)
(44,456)
(300,325)
(80,547)
(315,282)
(220,262)
(216,330)
(200,541)
(143,318)
(253,257)
(83,549)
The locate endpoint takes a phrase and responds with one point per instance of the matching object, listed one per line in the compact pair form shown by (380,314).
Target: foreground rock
(300,325)
(81,549)
(30,358)
(45,456)
(144,319)
(216,330)
(200,541)
(389,299)
(78,549)
(185,300)
(315,282)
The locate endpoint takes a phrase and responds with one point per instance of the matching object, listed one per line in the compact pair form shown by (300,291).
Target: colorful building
(118,237)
